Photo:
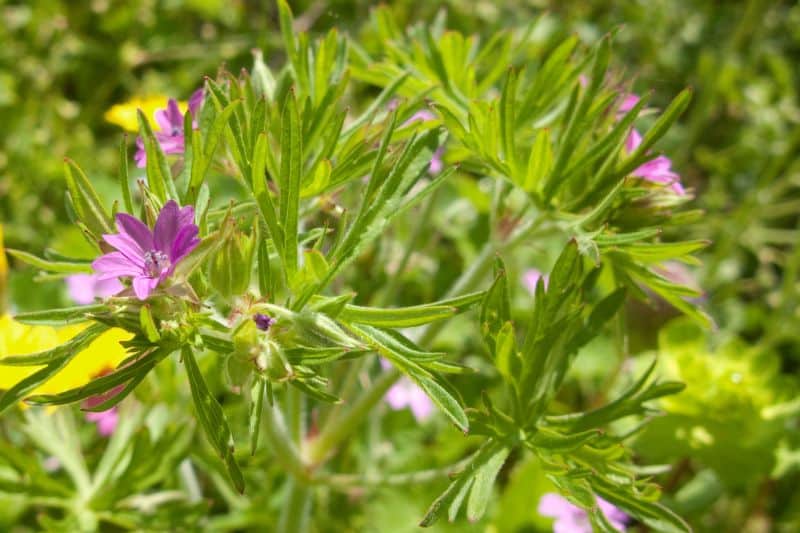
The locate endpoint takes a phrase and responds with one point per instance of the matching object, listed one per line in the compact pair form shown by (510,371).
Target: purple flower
(170,122)
(570,518)
(263,322)
(657,170)
(106,420)
(628,103)
(423,115)
(531,278)
(406,393)
(84,288)
(436,164)
(148,257)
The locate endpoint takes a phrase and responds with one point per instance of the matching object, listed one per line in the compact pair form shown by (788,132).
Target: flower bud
(232,265)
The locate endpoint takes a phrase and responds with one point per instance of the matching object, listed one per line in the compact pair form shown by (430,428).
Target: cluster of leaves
(292,241)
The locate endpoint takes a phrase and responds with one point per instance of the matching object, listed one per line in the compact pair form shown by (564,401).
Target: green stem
(296,509)
(421,227)
(339,428)
(350,481)
(283,448)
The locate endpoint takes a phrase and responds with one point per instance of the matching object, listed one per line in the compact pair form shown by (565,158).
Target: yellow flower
(124,114)
(3,273)
(103,354)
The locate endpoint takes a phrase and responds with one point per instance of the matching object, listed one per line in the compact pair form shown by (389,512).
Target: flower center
(155,263)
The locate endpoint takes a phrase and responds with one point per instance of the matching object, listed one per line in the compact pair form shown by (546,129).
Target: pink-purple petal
(195,101)
(106,421)
(143,286)
(127,247)
(113,265)
(186,216)
(184,242)
(84,288)
(167,226)
(136,229)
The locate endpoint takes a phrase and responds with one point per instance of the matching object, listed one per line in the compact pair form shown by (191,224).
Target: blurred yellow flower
(3,273)
(104,353)
(124,114)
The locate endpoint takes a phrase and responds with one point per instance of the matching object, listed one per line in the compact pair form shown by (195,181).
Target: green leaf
(262,193)
(212,418)
(508,103)
(496,306)
(257,393)
(556,442)
(481,491)
(540,162)
(400,317)
(106,383)
(658,517)
(124,179)
(289,179)
(13,395)
(202,157)
(452,497)
(393,350)
(403,317)
(88,206)
(506,358)
(60,317)
(73,346)
(159,175)
(147,324)
(61,267)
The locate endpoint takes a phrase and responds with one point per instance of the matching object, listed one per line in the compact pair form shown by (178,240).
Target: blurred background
(65,65)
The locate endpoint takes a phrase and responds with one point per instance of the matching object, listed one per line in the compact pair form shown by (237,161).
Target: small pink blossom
(531,278)
(106,421)
(84,288)
(570,518)
(657,170)
(406,393)
(436,164)
(170,135)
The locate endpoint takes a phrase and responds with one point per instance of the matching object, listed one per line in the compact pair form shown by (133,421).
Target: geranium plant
(270,246)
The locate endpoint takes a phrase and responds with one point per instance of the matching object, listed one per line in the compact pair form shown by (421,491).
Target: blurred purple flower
(148,257)
(531,277)
(84,288)
(422,115)
(106,421)
(657,170)
(436,164)
(628,103)
(570,518)
(170,121)
(406,393)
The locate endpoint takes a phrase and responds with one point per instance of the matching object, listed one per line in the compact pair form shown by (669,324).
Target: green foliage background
(731,436)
